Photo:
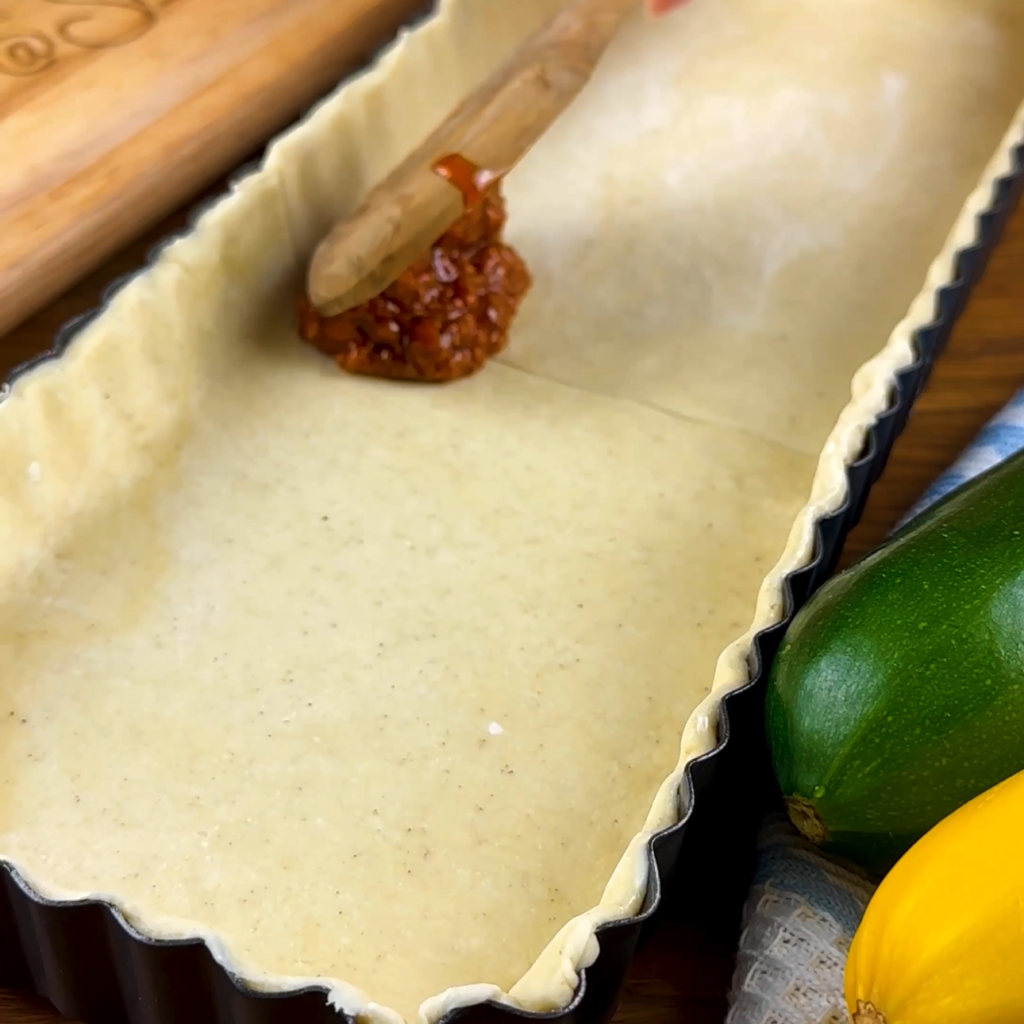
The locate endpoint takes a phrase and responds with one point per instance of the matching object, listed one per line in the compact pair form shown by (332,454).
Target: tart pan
(89,962)
(93,965)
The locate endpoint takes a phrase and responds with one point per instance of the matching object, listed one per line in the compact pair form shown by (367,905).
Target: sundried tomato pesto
(449,312)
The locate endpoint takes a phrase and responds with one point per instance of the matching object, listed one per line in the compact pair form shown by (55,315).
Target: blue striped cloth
(803,909)
(999,439)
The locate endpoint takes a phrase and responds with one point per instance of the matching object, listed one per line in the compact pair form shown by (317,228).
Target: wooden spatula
(493,128)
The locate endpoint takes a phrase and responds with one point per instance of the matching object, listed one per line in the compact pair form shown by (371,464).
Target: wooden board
(682,972)
(112,113)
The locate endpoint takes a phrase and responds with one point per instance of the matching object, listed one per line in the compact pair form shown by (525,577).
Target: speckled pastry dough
(384,685)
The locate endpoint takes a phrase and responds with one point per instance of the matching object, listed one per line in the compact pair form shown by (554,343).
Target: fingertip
(659,7)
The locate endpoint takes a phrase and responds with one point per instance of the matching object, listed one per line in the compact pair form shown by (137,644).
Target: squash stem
(868,1014)
(805,816)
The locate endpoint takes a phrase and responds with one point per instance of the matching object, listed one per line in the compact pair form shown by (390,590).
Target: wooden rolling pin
(492,128)
(114,114)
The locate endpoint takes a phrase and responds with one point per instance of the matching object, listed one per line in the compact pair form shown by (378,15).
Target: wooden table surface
(682,972)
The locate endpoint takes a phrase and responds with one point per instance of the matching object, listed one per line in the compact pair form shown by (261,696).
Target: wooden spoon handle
(493,127)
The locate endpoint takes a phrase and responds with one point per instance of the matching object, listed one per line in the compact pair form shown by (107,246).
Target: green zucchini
(897,694)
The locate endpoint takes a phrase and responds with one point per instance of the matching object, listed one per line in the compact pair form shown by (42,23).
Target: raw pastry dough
(382,684)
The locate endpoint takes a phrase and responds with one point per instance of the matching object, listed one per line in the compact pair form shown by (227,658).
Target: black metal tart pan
(93,966)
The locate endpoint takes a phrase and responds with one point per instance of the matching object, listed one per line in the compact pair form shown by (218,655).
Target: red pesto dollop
(448,313)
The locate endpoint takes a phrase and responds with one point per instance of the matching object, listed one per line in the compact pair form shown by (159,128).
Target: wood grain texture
(682,971)
(119,111)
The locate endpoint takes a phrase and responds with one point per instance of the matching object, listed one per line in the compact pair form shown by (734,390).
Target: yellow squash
(942,941)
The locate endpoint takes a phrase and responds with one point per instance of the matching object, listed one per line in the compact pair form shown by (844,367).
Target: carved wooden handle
(493,127)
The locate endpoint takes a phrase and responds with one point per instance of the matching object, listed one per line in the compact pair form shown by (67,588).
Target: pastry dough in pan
(384,685)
